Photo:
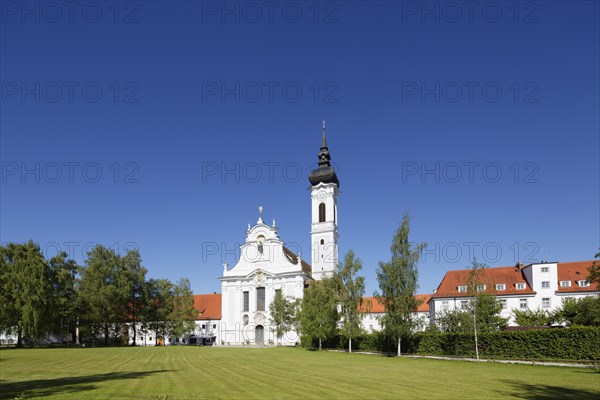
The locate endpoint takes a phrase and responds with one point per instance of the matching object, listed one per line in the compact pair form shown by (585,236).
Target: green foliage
(184,313)
(584,311)
(398,283)
(594,271)
(571,344)
(487,315)
(350,290)
(282,314)
(159,305)
(532,317)
(39,297)
(319,314)
(26,289)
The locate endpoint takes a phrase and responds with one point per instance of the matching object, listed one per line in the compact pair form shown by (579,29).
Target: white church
(240,314)
(266,266)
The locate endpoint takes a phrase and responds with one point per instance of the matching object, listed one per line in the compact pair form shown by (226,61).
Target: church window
(260,299)
(322,241)
(322,212)
(246,301)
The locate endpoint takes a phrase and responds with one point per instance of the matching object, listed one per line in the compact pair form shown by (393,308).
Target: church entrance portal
(259,335)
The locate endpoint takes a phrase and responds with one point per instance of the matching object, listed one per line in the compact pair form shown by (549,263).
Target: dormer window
(462,289)
(565,283)
(481,288)
(520,286)
(500,286)
(583,283)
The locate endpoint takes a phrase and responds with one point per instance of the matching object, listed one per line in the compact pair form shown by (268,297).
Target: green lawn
(201,372)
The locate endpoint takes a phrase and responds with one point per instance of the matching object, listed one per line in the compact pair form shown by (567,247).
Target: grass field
(202,372)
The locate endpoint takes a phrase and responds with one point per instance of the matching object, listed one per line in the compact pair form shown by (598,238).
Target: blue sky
(164,125)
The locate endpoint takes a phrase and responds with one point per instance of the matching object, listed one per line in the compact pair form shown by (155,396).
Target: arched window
(322,212)
(322,241)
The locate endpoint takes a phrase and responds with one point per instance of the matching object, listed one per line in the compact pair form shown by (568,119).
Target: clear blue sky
(119,133)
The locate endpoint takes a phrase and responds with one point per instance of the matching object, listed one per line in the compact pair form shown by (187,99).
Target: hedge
(576,343)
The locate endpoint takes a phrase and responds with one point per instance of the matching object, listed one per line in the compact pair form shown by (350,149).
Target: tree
(281,311)
(398,284)
(158,306)
(26,280)
(131,279)
(319,315)
(63,298)
(532,317)
(98,290)
(183,316)
(9,312)
(350,290)
(483,307)
(594,271)
(584,311)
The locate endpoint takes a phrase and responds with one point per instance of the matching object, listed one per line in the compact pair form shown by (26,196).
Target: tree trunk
(350,346)
(319,343)
(134,334)
(399,343)
(19,337)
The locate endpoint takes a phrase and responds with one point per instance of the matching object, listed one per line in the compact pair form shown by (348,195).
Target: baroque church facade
(267,266)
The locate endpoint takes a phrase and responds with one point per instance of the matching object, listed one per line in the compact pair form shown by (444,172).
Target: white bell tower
(324,228)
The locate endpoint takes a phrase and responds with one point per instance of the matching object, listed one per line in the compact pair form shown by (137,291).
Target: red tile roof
(510,276)
(209,306)
(372,305)
(573,272)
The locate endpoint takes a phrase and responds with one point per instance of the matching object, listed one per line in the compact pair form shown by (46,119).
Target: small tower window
(322,212)
(322,241)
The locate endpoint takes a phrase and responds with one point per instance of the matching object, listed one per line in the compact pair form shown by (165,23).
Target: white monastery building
(540,286)
(240,314)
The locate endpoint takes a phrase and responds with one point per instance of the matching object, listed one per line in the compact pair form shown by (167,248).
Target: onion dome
(325,173)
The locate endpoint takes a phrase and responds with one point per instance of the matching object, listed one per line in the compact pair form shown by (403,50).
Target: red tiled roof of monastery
(372,305)
(209,306)
(573,272)
(509,276)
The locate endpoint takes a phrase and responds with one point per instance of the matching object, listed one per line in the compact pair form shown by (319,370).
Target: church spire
(325,173)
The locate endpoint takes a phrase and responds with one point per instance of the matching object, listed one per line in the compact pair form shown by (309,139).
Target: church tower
(324,191)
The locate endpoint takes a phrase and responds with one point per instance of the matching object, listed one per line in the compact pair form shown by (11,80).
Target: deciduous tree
(398,284)
(319,314)
(350,290)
